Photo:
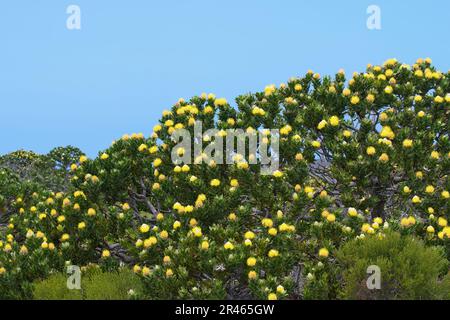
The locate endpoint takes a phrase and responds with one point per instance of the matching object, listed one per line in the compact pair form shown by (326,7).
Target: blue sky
(133,59)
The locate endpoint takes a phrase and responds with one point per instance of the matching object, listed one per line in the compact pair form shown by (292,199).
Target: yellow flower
(197,232)
(280,289)
(106,254)
(2,271)
(445,194)
(273,253)
(411,220)
(251,262)
(231,121)
(249,235)
(273,231)
(388,90)
(284,131)
(386,132)
(370,98)
(370,151)
(407,143)
(215,183)
(164,234)
(157,162)
(334,121)
(136,268)
(347,133)
(220,102)
(354,100)
(322,124)
(346,92)
(384,157)
(331,217)
(104,156)
(280,213)
(272,296)
(232,216)
(435,155)
(228,246)
(416,199)
(277,174)
(144,228)
(404,222)
(91,212)
(252,275)
(65,237)
(205,245)
(23,250)
(352,212)
(429,189)
(438,99)
(266,222)
(269,90)
(442,222)
(81,225)
(323,253)
(176,225)
(149,242)
(316,144)
(169,273)
(234,183)
(430,229)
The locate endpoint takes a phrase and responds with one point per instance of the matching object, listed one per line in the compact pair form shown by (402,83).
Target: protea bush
(358,158)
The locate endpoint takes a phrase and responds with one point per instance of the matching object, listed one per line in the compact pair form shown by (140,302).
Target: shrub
(95,285)
(120,285)
(356,157)
(55,288)
(409,269)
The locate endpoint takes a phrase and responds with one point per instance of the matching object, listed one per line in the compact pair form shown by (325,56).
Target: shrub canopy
(356,157)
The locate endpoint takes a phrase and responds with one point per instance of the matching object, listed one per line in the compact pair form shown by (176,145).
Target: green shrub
(55,288)
(95,285)
(409,269)
(100,285)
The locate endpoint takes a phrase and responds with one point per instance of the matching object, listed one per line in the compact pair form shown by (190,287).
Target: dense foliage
(358,158)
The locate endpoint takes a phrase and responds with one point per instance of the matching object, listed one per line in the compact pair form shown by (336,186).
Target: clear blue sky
(134,58)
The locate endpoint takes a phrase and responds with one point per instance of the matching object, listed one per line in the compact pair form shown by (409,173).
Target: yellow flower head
(323,253)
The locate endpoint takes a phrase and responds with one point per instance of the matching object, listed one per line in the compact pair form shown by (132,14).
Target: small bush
(409,269)
(55,288)
(95,285)
(100,285)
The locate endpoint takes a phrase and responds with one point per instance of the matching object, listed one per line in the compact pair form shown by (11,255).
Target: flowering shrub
(356,158)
